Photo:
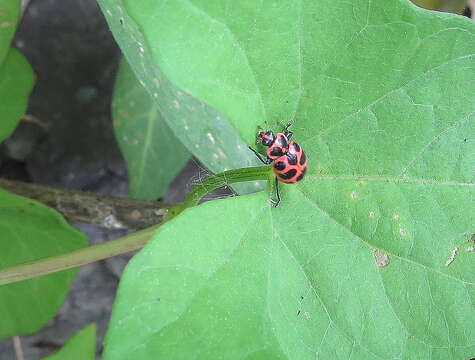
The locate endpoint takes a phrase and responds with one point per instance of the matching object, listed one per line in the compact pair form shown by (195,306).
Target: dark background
(66,140)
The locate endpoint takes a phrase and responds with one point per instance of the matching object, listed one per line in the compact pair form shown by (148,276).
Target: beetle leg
(266,161)
(275,203)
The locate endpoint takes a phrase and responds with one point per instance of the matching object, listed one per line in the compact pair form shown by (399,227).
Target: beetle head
(267,138)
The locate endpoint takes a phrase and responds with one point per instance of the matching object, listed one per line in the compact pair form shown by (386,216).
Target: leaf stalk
(132,241)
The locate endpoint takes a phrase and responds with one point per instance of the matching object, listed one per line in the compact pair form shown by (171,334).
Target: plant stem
(77,257)
(216,181)
(112,212)
(129,242)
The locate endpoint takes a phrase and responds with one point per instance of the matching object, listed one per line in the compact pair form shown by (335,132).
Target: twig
(126,243)
(18,349)
(112,212)
(77,257)
(24,4)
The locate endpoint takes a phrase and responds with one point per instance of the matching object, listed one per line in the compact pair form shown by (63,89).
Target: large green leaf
(294,283)
(30,231)
(205,132)
(16,75)
(9,16)
(16,82)
(370,256)
(153,154)
(82,346)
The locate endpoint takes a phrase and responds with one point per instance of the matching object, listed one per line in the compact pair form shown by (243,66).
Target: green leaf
(369,257)
(16,82)
(30,231)
(292,287)
(153,154)
(16,75)
(9,16)
(205,132)
(82,346)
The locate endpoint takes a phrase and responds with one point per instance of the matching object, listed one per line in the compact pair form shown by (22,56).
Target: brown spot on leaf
(124,114)
(381,258)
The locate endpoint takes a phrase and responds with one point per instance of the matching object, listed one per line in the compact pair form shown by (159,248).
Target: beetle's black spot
(277,151)
(279,165)
(280,141)
(121,21)
(288,175)
(296,147)
(292,158)
(303,158)
(300,177)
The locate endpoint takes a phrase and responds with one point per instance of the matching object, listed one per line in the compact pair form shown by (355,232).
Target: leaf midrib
(314,291)
(388,178)
(372,247)
(151,119)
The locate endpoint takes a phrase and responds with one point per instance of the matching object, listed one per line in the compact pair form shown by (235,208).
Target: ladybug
(288,160)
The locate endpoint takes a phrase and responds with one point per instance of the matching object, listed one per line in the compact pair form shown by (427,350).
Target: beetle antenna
(289,124)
